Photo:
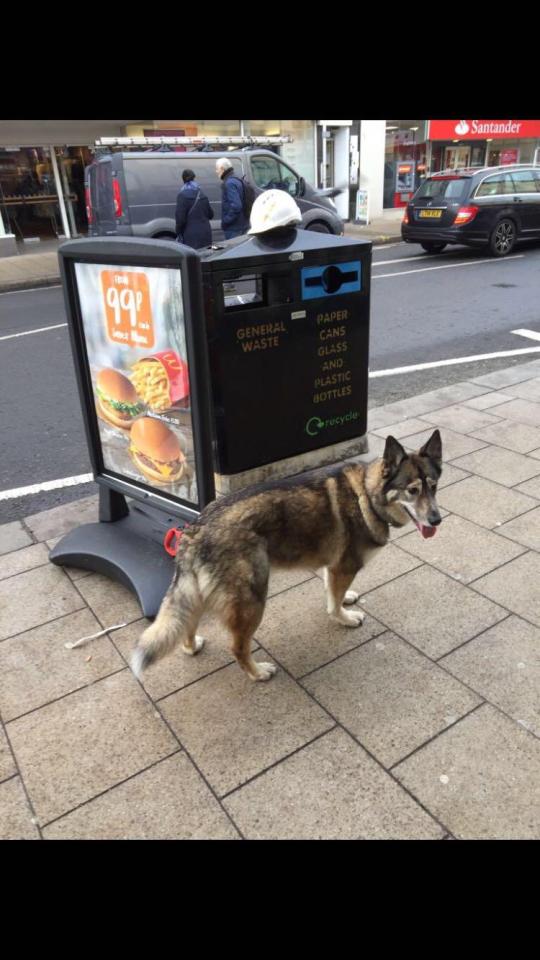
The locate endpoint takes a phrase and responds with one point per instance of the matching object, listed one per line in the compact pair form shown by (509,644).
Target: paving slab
(461,419)
(35,597)
(509,376)
(503,666)
(481,778)
(7,764)
(530,487)
(298,632)
(234,728)
(524,411)
(330,790)
(432,611)
(461,549)
(510,434)
(515,586)
(285,579)
(485,502)
(488,400)
(36,668)
(390,697)
(20,560)
(79,746)
(13,536)
(453,444)
(59,520)
(403,428)
(170,801)
(15,814)
(503,466)
(524,529)
(111,602)
(528,390)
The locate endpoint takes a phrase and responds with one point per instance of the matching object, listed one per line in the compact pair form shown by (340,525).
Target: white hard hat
(273,208)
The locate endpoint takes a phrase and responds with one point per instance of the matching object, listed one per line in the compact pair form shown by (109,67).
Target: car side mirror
(301,186)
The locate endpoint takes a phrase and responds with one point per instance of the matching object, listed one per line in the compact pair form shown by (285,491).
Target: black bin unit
(288,336)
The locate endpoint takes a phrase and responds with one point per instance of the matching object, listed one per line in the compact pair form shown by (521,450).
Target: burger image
(117,400)
(155,451)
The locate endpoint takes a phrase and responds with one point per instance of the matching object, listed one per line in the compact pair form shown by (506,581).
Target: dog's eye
(413,490)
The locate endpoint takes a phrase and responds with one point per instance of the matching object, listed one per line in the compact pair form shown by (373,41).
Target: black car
(492,207)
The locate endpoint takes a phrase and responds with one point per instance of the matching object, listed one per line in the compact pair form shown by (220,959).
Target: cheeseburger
(117,400)
(155,451)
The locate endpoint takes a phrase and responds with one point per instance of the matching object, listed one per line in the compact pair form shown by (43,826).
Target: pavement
(422,724)
(31,268)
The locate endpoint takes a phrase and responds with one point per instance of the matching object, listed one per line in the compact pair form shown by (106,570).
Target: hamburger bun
(154,445)
(115,387)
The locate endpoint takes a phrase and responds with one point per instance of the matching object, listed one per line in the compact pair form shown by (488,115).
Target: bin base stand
(129,550)
(231,482)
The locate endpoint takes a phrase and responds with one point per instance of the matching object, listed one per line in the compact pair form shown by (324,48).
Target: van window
(269,173)
(448,188)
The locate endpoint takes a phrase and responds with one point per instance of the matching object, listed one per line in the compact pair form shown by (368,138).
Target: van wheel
(164,236)
(319,227)
(503,238)
(433,247)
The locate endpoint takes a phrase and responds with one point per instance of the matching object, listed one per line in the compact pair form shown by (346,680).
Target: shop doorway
(455,157)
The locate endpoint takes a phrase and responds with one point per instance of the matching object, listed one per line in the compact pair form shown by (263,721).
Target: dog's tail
(176,621)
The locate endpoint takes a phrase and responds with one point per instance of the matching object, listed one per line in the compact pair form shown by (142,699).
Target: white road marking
(414,259)
(449,266)
(387,246)
(454,360)
(530,334)
(47,485)
(50,286)
(27,333)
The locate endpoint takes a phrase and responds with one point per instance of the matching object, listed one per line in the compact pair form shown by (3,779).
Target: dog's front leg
(336,583)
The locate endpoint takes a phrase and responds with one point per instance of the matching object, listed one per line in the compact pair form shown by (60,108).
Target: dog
(332,517)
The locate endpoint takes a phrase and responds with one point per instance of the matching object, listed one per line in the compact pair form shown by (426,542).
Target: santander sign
(482,129)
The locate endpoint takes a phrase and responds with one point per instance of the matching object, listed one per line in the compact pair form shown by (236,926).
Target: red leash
(171,540)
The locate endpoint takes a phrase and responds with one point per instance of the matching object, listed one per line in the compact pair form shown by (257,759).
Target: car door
(527,195)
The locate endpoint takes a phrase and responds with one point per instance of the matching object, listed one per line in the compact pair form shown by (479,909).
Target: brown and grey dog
(332,518)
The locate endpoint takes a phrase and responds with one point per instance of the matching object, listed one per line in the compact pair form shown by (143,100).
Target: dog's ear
(392,456)
(433,448)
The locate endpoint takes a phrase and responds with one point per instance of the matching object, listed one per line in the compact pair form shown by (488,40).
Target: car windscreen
(450,188)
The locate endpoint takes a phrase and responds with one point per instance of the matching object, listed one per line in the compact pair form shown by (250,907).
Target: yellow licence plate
(431,213)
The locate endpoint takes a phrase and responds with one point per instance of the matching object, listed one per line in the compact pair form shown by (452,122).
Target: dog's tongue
(426,531)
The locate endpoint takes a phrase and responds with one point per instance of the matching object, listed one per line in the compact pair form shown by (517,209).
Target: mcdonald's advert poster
(134,328)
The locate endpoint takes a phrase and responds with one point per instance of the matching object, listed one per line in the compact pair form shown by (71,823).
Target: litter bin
(288,338)
(134,311)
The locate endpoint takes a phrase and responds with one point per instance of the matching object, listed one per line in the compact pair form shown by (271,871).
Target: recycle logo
(462,128)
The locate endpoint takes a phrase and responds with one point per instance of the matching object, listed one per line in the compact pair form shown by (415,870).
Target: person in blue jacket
(233,219)
(193,214)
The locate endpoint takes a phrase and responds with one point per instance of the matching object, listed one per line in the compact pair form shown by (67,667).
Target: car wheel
(433,247)
(319,227)
(503,238)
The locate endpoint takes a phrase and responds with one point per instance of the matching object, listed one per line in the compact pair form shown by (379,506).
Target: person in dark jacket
(233,219)
(193,214)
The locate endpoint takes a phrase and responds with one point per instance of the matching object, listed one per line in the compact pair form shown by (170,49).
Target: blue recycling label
(331,280)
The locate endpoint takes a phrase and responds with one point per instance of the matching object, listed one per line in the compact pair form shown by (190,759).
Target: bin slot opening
(243,290)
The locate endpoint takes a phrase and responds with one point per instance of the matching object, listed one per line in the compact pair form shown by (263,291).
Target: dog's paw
(351,596)
(198,644)
(350,618)
(265,671)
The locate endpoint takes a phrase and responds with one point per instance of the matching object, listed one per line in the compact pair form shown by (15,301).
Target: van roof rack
(197,142)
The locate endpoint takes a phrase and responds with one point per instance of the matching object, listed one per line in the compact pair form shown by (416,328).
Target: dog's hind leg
(338,579)
(242,625)
(351,596)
